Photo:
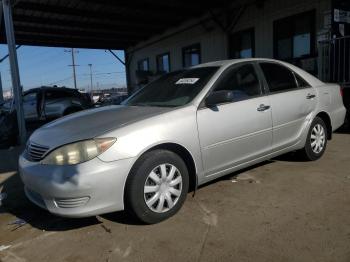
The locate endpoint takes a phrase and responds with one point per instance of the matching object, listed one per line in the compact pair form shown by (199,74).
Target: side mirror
(219,97)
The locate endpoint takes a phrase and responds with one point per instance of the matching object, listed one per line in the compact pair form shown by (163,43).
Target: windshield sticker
(187,81)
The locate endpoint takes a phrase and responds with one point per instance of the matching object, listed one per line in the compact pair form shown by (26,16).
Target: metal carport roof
(106,24)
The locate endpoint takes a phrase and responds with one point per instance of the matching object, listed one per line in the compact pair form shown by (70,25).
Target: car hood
(91,123)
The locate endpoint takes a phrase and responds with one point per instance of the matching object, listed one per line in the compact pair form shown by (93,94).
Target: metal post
(1,91)
(16,82)
(116,56)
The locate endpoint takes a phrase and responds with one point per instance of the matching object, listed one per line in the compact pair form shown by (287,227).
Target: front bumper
(87,189)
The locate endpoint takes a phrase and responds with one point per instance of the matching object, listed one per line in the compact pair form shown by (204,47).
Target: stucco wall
(214,41)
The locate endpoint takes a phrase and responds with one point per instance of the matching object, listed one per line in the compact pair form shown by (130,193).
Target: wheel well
(327,120)
(186,157)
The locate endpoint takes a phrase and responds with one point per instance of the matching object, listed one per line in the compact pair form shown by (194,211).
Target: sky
(50,66)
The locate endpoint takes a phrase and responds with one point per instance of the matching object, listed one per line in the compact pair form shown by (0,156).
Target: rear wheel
(316,141)
(157,186)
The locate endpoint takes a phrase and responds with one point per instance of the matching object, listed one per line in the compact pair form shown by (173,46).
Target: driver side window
(243,81)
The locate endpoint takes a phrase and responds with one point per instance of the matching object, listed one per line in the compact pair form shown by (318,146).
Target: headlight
(78,152)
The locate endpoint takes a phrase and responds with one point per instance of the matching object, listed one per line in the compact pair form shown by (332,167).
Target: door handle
(310,96)
(263,107)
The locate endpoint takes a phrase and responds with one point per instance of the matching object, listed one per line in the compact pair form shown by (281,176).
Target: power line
(59,81)
(105,73)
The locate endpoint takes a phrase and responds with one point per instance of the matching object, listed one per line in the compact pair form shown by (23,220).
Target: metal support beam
(116,56)
(16,83)
(1,91)
(128,58)
(6,56)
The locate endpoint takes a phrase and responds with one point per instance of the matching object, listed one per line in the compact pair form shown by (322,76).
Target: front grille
(36,152)
(71,202)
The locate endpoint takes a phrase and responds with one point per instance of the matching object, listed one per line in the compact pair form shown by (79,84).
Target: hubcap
(163,188)
(318,138)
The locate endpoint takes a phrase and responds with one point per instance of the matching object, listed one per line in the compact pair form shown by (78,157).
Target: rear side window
(279,78)
(301,82)
(56,94)
(30,97)
(243,81)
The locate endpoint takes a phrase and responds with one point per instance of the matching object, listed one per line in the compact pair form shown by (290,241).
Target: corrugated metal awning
(107,24)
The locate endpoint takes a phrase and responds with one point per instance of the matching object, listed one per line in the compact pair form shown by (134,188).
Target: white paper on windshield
(186,81)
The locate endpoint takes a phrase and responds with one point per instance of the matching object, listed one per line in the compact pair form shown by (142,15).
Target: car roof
(51,88)
(234,61)
(312,80)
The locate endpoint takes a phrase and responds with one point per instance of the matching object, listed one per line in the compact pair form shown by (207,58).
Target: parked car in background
(182,130)
(48,103)
(106,100)
(118,99)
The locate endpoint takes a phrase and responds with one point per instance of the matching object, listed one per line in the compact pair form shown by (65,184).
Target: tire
(146,175)
(315,138)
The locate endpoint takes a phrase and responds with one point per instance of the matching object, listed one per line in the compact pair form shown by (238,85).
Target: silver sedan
(180,131)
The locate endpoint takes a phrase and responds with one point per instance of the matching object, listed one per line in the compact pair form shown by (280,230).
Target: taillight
(341,91)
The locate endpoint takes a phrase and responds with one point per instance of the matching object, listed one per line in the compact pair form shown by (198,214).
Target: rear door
(55,102)
(235,132)
(292,102)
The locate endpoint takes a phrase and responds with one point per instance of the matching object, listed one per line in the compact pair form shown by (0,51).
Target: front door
(239,131)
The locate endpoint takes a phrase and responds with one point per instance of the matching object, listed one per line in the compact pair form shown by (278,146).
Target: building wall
(214,44)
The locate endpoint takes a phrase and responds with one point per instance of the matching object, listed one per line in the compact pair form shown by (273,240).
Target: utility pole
(73,65)
(91,87)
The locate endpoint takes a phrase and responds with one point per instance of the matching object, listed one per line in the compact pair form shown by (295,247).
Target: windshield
(174,89)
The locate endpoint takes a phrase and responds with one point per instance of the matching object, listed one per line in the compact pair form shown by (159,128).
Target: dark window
(278,77)
(143,65)
(294,36)
(56,94)
(191,55)
(242,80)
(174,89)
(29,97)
(242,44)
(163,63)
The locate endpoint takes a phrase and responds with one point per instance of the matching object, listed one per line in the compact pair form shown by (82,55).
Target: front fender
(177,127)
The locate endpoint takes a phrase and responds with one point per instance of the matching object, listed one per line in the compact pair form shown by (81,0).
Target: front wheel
(316,141)
(157,186)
